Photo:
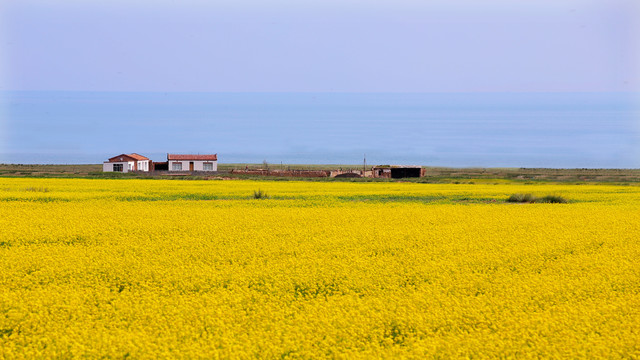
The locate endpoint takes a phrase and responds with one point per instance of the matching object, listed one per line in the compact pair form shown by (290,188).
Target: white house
(186,162)
(126,163)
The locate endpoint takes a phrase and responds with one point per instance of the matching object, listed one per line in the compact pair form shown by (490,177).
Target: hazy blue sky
(319,46)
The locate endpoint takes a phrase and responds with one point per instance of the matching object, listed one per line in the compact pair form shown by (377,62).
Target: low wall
(359,173)
(284,173)
(179,173)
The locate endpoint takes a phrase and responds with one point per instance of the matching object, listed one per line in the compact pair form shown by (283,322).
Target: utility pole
(364,166)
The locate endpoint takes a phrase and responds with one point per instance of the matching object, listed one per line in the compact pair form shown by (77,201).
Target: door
(190,165)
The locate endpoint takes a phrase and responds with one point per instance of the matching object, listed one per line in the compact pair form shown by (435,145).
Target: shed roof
(397,167)
(212,157)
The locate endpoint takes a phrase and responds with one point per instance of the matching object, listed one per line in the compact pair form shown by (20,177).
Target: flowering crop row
(200,269)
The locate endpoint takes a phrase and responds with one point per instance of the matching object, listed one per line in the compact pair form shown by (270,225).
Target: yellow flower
(201,269)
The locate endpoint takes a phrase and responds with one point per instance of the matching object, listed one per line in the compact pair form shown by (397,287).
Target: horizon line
(330,92)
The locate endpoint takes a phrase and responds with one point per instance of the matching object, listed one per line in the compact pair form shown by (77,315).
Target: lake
(599,130)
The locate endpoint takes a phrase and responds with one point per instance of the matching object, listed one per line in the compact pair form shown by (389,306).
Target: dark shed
(398,171)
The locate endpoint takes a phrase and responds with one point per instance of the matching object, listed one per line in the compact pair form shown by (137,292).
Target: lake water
(480,129)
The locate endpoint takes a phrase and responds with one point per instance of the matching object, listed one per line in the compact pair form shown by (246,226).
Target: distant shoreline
(433,174)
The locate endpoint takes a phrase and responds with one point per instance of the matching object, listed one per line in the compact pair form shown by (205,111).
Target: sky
(60,60)
(321,46)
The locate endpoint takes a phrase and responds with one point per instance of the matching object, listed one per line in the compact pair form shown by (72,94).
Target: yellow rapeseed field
(200,269)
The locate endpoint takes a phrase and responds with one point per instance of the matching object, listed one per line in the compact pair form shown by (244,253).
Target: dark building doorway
(163,165)
(398,173)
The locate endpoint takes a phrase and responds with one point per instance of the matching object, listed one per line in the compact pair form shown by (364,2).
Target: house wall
(215,165)
(198,165)
(108,166)
(185,165)
(143,165)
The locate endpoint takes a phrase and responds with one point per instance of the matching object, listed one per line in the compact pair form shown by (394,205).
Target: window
(176,166)
(207,166)
(117,167)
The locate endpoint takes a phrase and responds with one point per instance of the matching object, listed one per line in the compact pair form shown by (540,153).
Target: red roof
(138,156)
(121,157)
(127,157)
(213,157)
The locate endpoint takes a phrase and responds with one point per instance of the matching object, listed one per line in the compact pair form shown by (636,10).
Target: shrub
(554,199)
(36,189)
(259,194)
(529,198)
(522,198)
